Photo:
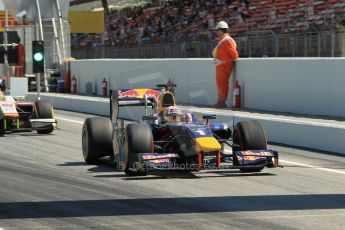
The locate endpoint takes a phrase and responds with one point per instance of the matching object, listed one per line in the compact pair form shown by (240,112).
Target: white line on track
(313,166)
(304,165)
(229,151)
(69,120)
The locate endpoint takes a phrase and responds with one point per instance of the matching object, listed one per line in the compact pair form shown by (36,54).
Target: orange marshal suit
(225,53)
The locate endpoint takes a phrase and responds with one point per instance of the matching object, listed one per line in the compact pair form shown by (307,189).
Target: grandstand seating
(131,27)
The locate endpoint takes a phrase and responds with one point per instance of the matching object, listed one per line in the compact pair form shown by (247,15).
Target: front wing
(241,160)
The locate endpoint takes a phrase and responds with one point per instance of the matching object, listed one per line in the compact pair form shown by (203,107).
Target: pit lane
(44,183)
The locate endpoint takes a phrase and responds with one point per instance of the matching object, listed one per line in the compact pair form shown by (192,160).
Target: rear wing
(132,97)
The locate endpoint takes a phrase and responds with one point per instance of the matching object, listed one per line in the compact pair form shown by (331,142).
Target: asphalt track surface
(44,184)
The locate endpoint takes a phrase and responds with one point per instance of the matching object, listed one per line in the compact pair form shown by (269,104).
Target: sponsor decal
(158,161)
(129,94)
(250,158)
(138,93)
(7,105)
(201,132)
(253,155)
(152,93)
(159,156)
(260,153)
(174,111)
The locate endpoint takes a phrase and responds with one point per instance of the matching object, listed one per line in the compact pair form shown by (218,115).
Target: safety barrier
(313,86)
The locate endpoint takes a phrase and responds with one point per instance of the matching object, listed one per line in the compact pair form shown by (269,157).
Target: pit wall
(312,86)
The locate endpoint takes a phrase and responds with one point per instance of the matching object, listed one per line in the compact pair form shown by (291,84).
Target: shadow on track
(26,134)
(102,167)
(194,175)
(154,175)
(76,163)
(175,205)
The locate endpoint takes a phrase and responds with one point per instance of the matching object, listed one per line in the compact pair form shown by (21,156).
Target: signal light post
(38,62)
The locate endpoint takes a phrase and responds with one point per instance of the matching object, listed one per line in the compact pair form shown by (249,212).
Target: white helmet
(222,25)
(172,114)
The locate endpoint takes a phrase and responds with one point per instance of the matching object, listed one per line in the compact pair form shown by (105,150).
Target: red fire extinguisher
(236,96)
(74,84)
(104,88)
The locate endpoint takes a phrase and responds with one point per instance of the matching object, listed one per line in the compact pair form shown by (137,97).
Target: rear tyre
(97,139)
(138,140)
(250,135)
(44,111)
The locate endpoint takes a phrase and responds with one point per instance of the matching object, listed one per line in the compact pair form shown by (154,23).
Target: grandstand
(112,4)
(263,24)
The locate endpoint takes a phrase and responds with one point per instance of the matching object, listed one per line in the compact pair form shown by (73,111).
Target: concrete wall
(313,86)
(195,77)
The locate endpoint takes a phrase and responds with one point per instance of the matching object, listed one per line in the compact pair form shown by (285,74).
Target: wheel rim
(85,143)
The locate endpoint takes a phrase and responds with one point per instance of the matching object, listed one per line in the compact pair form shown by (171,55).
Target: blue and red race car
(170,139)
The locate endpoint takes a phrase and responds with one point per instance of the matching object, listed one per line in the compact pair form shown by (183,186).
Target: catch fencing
(320,44)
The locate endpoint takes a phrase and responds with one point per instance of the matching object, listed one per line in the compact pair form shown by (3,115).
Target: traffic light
(38,56)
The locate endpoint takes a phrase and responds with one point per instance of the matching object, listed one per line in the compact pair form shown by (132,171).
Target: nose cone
(207,144)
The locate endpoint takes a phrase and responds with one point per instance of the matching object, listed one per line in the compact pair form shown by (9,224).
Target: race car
(170,139)
(17,115)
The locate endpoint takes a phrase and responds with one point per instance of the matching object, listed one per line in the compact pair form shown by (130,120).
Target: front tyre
(249,135)
(138,140)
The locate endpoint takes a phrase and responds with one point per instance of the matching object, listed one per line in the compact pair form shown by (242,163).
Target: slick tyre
(44,111)
(250,135)
(138,140)
(97,139)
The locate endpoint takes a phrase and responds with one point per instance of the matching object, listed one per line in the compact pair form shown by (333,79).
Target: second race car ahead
(23,116)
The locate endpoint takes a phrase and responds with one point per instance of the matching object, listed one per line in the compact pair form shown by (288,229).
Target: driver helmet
(189,118)
(172,114)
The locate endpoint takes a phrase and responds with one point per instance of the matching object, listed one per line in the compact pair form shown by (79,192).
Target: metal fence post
(249,47)
(332,45)
(342,44)
(305,45)
(294,44)
(276,45)
(318,45)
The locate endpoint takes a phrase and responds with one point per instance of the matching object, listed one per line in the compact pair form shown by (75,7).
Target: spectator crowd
(179,21)
(174,21)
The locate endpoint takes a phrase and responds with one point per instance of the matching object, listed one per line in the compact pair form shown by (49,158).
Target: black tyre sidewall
(138,140)
(99,136)
(251,136)
(44,111)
